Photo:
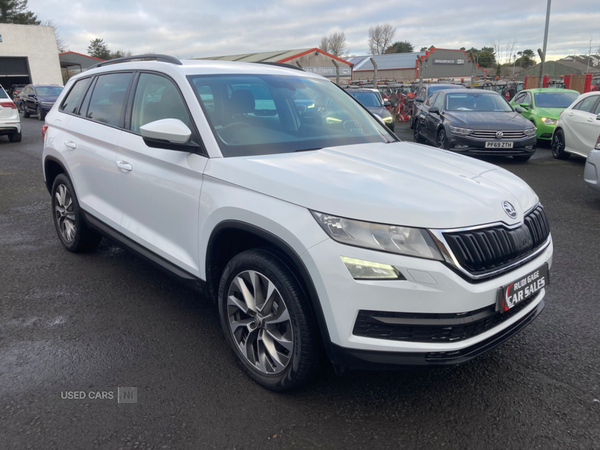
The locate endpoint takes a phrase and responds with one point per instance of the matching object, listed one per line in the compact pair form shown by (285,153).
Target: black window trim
(61,108)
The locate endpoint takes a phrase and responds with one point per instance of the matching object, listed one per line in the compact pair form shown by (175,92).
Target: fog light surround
(368,270)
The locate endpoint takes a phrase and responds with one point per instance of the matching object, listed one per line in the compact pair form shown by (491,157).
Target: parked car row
(37,100)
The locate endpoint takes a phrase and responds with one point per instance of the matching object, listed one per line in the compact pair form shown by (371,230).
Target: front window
(555,99)
(476,101)
(367,98)
(268,114)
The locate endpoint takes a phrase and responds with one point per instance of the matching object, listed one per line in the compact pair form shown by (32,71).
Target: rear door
(88,140)
(160,188)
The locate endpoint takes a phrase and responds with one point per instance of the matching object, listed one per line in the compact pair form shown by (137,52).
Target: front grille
(491,249)
(431,327)
(491,134)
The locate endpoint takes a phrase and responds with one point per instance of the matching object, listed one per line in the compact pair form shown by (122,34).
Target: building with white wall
(28,54)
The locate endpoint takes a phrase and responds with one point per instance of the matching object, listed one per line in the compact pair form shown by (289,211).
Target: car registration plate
(522,289)
(496,144)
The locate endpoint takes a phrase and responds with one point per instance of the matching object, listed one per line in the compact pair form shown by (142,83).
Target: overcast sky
(209,28)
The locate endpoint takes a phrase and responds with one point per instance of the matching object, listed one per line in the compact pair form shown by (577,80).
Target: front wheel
(40,113)
(267,320)
(24,111)
(68,220)
(442,141)
(558,145)
(417,134)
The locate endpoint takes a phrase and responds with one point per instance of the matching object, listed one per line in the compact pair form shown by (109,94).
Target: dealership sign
(448,61)
(328,71)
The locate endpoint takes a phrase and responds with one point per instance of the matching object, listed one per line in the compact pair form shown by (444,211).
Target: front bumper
(430,288)
(476,146)
(591,173)
(544,132)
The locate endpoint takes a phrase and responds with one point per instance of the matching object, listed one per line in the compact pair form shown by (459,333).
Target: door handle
(70,144)
(124,166)
(570,114)
(590,119)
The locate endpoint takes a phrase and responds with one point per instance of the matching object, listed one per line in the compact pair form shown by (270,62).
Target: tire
(15,137)
(40,113)
(24,111)
(416,135)
(68,220)
(522,158)
(442,141)
(558,145)
(277,348)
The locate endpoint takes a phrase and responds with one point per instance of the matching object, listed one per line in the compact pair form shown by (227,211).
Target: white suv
(10,121)
(308,222)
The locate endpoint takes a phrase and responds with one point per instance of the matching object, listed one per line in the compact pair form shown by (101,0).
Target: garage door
(14,67)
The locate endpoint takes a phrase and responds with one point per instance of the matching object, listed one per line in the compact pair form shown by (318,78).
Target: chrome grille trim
(491,134)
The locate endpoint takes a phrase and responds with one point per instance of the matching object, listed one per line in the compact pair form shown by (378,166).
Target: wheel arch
(53,168)
(231,237)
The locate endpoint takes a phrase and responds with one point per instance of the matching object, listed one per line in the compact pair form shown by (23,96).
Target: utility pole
(543,54)
(337,72)
(587,70)
(374,72)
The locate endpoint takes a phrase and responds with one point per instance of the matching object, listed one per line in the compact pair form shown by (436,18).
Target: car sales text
(91,395)
(524,288)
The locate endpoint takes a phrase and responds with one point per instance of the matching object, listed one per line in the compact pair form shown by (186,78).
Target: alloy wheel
(557,145)
(64,213)
(442,139)
(259,322)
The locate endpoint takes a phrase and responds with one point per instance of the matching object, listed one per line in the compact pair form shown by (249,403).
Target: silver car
(591,174)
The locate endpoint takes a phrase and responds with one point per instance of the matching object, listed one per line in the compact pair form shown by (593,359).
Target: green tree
(400,47)
(15,11)
(99,49)
(485,57)
(424,49)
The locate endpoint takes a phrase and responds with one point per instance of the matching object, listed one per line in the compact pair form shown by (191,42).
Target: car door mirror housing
(171,134)
(519,109)
(386,103)
(598,117)
(434,110)
(419,99)
(525,105)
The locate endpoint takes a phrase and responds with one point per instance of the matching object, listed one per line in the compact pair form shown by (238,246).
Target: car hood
(551,113)
(487,120)
(399,183)
(380,111)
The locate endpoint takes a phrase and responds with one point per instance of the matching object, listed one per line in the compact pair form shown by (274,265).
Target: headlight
(387,238)
(530,131)
(549,121)
(460,131)
(367,270)
(388,119)
(47,103)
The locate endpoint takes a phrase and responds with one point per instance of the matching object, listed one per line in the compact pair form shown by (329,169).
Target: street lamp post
(543,55)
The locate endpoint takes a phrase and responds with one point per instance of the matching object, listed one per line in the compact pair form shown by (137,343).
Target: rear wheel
(417,135)
(68,220)
(267,321)
(558,145)
(24,111)
(15,137)
(40,113)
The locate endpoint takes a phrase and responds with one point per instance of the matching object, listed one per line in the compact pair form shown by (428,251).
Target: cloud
(187,29)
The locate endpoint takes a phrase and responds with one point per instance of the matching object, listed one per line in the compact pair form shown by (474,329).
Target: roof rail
(284,65)
(161,58)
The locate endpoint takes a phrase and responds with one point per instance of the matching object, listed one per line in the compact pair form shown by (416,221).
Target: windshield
(48,90)
(366,98)
(433,89)
(555,99)
(267,114)
(475,101)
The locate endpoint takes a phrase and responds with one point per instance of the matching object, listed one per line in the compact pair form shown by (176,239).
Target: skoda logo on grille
(509,209)
(499,135)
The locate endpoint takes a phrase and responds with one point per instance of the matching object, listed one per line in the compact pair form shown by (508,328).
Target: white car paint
(581,127)
(170,202)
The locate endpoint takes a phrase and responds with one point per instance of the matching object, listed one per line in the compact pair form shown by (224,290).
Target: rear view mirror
(166,132)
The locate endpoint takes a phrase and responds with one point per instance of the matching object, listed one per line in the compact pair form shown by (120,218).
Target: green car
(543,107)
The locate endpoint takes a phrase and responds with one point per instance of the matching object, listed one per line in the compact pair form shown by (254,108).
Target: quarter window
(107,103)
(157,98)
(587,104)
(597,111)
(431,99)
(71,101)
(439,101)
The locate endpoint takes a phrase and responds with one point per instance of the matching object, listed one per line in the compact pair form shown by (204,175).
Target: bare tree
(337,44)
(60,43)
(324,44)
(380,38)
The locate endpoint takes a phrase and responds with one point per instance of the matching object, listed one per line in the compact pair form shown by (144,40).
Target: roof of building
(274,56)
(560,67)
(386,62)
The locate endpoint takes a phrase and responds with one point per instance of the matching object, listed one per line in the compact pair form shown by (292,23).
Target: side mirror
(434,110)
(519,109)
(386,103)
(598,117)
(525,105)
(170,134)
(31,95)
(419,99)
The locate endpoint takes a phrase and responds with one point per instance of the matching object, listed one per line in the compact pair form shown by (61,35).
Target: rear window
(51,91)
(71,101)
(3,94)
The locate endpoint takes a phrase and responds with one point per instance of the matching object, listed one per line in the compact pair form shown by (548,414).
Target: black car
(475,122)
(424,92)
(38,99)
(371,99)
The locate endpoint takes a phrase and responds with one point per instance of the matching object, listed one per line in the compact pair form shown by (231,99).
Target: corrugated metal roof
(260,57)
(390,61)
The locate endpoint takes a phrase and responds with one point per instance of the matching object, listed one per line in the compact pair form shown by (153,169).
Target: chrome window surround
(440,240)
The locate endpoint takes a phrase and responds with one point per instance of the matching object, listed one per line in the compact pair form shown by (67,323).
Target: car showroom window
(156,98)
(108,99)
(71,101)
